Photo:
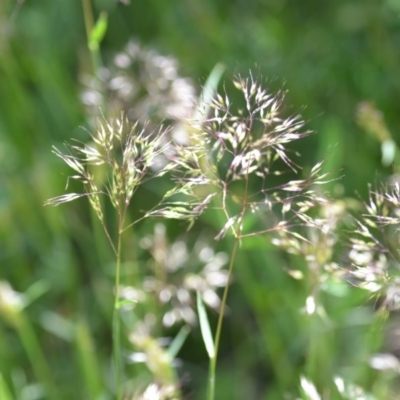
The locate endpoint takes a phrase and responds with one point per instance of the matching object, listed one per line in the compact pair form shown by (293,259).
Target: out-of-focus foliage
(281,337)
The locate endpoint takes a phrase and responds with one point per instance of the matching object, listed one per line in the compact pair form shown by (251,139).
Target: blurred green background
(330,55)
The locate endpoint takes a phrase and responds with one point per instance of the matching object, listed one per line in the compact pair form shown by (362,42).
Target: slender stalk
(213,360)
(89,24)
(88,15)
(117,321)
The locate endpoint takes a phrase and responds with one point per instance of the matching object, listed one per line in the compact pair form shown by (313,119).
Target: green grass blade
(98,32)
(5,393)
(205,327)
(36,290)
(209,91)
(58,325)
(177,343)
(88,362)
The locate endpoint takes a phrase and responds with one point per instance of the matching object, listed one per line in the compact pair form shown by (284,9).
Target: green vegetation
(218,246)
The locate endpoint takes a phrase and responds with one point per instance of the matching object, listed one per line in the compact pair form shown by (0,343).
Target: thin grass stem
(213,360)
(117,321)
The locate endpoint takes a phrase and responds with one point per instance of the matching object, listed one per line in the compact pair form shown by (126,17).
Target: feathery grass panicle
(142,83)
(158,392)
(126,154)
(374,264)
(238,148)
(180,270)
(374,246)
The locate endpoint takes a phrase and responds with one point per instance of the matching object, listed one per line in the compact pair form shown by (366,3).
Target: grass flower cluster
(233,165)
(374,252)
(143,84)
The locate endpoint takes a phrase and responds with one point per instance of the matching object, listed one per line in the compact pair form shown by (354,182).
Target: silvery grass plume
(375,265)
(120,157)
(374,253)
(177,271)
(158,360)
(143,84)
(316,243)
(348,390)
(157,392)
(232,159)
